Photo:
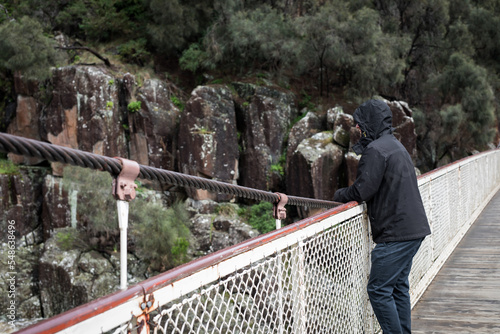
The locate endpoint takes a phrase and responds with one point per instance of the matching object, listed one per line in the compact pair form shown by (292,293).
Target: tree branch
(104,59)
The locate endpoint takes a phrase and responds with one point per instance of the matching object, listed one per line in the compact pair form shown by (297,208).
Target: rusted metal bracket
(279,211)
(143,320)
(124,184)
(124,191)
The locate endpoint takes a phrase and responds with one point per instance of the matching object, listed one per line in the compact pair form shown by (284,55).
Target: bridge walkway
(464,297)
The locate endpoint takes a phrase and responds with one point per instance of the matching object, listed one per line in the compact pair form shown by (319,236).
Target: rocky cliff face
(239,133)
(264,117)
(153,128)
(208,145)
(84,112)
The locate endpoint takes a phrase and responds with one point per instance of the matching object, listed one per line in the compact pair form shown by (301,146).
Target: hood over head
(374,118)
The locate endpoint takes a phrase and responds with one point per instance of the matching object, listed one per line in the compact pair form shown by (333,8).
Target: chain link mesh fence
(315,285)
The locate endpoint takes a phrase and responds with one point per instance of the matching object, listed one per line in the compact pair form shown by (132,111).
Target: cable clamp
(279,211)
(124,184)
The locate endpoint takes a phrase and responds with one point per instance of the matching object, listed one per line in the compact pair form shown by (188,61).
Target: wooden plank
(465,295)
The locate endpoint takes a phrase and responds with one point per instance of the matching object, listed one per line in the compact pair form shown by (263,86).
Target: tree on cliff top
(393,48)
(466,115)
(26,49)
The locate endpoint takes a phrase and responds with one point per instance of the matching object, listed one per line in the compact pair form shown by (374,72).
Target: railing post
(122,207)
(124,191)
(299,290)
(279,212)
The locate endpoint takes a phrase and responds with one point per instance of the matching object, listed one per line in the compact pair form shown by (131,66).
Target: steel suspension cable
(54,153)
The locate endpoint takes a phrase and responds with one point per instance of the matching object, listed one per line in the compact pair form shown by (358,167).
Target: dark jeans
(388,287)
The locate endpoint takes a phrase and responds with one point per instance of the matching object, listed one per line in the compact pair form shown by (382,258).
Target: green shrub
(225,209)
(96,208)
(134,106)
(69,239)
(306,102)
(260,217)
(192,58)
(8,167)
(177,102)
(134,51)
(278,168)
(180,248)
(160,234)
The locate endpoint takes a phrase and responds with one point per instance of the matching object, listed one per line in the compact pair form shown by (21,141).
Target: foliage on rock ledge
(159,235)
(439,56)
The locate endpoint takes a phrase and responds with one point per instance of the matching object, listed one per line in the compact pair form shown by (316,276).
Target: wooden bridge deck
(465,295)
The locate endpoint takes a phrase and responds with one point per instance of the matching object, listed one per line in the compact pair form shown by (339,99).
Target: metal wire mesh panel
(496,171)
(487,174)
(456,219)
(425,254)
(477,182)
(466,185)
(425,193)
(421,263)
(337,272)
(440,213)
(316,285)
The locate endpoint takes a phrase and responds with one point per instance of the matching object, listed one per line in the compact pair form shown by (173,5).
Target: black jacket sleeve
(370,174)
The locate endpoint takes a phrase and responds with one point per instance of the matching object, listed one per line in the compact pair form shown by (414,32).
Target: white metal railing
(453,196)
(308,277)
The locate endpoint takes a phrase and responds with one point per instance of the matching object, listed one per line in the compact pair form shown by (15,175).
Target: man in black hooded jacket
(387,182)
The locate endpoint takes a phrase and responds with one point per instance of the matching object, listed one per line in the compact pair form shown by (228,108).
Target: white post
(299,290)
(280,286)
(123,224)
(73,197)
(279,212)
(124,191)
